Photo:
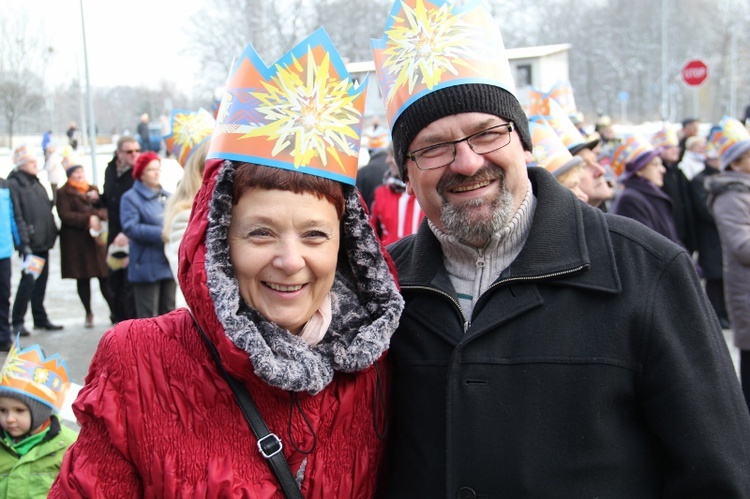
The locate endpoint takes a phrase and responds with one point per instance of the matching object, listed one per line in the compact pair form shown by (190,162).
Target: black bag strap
(269,444)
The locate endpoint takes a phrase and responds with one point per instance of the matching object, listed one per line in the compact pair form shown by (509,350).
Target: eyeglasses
(131,151)
(443,154)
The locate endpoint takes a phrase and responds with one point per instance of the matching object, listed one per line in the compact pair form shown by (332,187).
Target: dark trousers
(122,296)
(84,293)
(745,375)
(154,298)
(32,290)
(5,300)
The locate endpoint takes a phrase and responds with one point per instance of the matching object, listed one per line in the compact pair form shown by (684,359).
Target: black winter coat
(677,187)
(643,201)
(32,208)
(594,366)
(114,188)
(708,243)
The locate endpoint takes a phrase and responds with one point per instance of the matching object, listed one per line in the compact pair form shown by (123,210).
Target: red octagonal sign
(694,73)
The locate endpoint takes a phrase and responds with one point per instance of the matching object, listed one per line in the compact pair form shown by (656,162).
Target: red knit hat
(143,161)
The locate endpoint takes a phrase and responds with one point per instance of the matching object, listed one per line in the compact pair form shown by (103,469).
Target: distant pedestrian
(37,232)
(73,135)
(641,197)
(395,213)
(142,218)
(118,179)
(46,142)
(144,135)
(54,167)
(708,243)
(8,240)
(83,253)
(729,201)
(370,176)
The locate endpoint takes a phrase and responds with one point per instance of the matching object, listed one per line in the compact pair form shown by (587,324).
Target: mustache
(488,172)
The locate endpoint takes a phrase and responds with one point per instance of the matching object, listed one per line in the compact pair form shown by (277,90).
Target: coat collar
(569,243)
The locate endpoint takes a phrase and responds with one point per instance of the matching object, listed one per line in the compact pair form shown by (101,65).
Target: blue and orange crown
(549,151)
(433,44)
(544,108)
(666,137)
(29,372)
(628,150)
(303,113)
(188,129)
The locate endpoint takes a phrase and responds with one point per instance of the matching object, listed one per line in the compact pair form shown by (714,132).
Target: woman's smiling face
(284,249)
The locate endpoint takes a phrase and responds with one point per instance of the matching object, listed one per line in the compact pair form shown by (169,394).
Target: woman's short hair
(250,176)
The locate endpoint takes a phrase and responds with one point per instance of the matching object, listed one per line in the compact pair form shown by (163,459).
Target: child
(32,440)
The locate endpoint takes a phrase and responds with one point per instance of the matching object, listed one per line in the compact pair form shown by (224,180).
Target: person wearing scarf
(82,252)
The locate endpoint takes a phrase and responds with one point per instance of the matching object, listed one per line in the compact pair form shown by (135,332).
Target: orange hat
(630,149)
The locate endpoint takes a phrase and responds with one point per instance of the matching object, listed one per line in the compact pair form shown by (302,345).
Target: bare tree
(23,58)
(222,29)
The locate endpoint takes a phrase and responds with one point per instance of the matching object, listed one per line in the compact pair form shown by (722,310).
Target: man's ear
(527,155)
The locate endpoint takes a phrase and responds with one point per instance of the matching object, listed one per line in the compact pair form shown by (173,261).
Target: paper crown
(303,113)
(546,109)
(731,132)
(29,372)
(21,154)
(188,129)
(68,157)
(666,137)
(433,44)
(562,93)
(629,148)
(548,151)
(377,139)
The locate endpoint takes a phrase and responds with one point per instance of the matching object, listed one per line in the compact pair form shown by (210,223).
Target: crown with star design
(188,129)
(434,44)
(629,148)
(28,372)
(303,113)
(731,141)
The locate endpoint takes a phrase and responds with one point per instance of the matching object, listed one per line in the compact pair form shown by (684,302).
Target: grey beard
(458,222)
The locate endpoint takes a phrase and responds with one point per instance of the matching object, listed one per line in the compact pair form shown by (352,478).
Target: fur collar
(366,304)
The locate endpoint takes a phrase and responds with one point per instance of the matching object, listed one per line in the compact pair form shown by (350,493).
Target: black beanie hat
(463,98)
(40,412)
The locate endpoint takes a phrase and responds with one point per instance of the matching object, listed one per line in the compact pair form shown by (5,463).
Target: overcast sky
(128,42)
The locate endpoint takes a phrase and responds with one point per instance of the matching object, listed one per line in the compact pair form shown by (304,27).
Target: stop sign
(694,72)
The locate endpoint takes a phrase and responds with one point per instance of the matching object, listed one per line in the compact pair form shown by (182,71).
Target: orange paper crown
(548,110)
(549,152)
(627,150)
(434,44)
(666,137)
(303,113)
(188,130)
(562,93)
(28,372)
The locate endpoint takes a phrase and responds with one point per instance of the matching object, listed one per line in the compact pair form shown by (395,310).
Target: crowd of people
(502,303)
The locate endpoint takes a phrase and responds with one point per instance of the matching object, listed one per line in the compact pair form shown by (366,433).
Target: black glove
(24,251)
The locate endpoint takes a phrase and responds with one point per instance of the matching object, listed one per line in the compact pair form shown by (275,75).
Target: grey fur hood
(727,180)
(366,304)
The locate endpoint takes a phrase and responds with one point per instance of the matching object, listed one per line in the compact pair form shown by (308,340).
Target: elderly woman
(142,218)
(286,279)
(641,197)
(81,257)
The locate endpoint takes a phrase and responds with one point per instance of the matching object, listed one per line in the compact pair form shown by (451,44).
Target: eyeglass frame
(412,155)
(130,151)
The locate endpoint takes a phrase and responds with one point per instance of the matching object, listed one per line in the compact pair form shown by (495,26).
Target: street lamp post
(90,102)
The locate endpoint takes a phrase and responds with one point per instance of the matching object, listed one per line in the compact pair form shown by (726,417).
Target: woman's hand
(95,223)
(93,195)
(120,239)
